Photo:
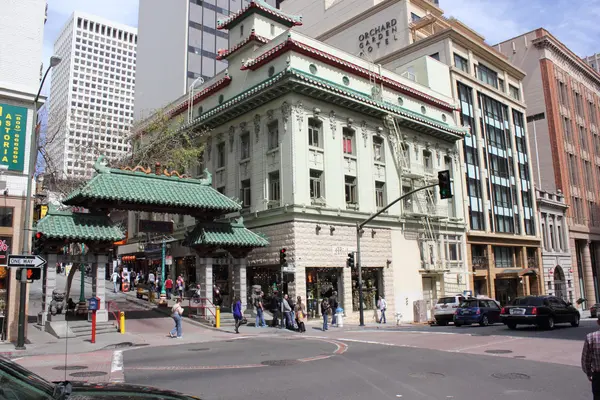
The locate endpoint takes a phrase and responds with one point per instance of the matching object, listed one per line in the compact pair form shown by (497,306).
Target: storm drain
(87,374)
(498,351)
(200,349)
(69,368)
(423,375)
(280,363)
(511,375)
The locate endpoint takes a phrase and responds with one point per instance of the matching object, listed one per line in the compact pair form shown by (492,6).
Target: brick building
(563,94)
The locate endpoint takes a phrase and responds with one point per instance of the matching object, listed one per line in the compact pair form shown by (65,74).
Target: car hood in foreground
(85,390)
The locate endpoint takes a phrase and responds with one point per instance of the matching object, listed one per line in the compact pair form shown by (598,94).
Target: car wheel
(550,323)
(458,324)
(484,321)
(512,325)
(575,323)
(442,323)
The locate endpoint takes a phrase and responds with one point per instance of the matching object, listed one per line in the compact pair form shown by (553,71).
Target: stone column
(347,297)
(590,293)
(99,287)
(204,277)
(48,286)
(491,272)
(239,282)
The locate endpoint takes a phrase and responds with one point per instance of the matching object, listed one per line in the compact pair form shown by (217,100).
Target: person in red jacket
(169,287)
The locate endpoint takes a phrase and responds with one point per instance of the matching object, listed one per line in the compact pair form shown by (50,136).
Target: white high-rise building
(91,106)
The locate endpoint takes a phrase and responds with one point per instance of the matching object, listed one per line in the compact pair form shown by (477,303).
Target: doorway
(559,283)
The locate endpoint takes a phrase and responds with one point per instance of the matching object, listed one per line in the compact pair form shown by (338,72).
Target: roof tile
(78,226)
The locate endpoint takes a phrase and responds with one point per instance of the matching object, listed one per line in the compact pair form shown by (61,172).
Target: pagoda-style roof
(224,235)
(253,37)
(78,227)
(260,7)
(144,190)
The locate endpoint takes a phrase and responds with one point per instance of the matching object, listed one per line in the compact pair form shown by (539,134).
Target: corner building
(311,140)
(502,241)
(563,94)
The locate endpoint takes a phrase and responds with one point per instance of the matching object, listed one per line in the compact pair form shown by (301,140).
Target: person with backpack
(260,316)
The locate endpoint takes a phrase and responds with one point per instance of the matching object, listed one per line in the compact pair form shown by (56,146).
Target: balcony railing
(479,262)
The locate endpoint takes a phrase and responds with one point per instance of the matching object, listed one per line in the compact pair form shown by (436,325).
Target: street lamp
(33,140)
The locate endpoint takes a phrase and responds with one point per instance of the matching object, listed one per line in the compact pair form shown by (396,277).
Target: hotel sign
(13,124)
(379,35)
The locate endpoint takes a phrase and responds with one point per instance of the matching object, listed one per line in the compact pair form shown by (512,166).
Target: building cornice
(480,49)
(329,59)
(547,41)
(253,37)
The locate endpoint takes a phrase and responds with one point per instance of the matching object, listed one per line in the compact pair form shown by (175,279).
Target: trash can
(339,315)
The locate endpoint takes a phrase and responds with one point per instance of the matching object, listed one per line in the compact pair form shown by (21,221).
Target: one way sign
(25,261)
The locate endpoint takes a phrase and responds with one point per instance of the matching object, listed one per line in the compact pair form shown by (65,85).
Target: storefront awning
(528,271)
(511,271)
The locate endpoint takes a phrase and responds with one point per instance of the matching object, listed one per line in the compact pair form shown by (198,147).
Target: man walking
(333,303)
(382,305)
(115,280)
(590,360)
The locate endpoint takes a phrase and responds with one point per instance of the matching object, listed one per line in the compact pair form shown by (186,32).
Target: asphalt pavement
(309,368)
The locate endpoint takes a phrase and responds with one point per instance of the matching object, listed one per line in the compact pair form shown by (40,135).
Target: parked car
(594,310)
(445,308)
(482,311)
(543,311)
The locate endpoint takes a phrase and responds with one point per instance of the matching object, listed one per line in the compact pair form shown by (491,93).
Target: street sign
(23,261)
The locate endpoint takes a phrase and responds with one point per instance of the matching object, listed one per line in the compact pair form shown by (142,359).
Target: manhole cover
(87,374)
(511,375)
(69,368)
(426,375)
(200,349)
(280,363)
(498,351)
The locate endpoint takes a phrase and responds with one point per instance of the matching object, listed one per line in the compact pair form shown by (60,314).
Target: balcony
(479,262)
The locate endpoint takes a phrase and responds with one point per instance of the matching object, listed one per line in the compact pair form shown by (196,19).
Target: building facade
(556,253)
(91,111)
(189,45)
(593,61)
(311,142)
(563,94)
(503,239)
(21,35)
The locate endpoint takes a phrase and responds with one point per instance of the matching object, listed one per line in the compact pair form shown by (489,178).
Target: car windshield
(16,380)
(446,300)
(528,301)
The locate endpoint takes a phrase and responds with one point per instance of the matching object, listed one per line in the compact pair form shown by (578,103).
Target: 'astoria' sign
(381,34)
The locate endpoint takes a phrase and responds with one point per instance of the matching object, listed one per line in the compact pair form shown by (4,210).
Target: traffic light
(350,260)
(36,246)
(282,256)
(33,274)
(445,184)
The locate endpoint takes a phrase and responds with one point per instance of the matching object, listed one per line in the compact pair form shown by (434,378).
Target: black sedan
(543,311)
(17,382)
(594,310)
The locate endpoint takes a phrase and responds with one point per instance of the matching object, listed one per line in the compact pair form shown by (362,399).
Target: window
(452,248)
(461,63)
(587,166)
(435,56)
(563,94)
(380,194)
(241,30)
(245,193)
(245,146)
(503,257)
(407,201)
(414,17)
(221,189)
(486,75)
(592,112)
(6,217)
(427,162)
(348,141)
(316,184)
(274,187)
(573,170)
(501,85)
(578,104)
(351,195)
(221,155)
(273,132)
(314,133)
(559,229)
(567,130)
(514,92)
(378,149)
(583,138)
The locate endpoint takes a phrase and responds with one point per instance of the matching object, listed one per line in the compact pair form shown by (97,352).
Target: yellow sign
(43,211)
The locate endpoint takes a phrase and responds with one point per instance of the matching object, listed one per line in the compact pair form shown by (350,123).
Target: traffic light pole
(359,227)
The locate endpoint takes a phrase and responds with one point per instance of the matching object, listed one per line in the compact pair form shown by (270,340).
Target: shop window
(6,217)
(372,287)
(322,283)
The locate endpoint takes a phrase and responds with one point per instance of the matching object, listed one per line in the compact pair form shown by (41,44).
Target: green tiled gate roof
(117,187)
(224,234)
(78,227)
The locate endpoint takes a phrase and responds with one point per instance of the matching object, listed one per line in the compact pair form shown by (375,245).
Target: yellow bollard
(122,322)
(218,317)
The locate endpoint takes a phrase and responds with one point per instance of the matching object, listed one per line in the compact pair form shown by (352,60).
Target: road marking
(116,367)
(374,342)
(196,367)
(484,345)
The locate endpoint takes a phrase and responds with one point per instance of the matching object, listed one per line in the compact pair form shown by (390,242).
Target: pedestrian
(133,279)
(151,281)
(260,316)
(169,287)
(590,360)
(382,306)
(180,286)
(275,309)
(333,303)
(325,307)
(300,315)
(115,280)
(176,313)
(237,313)
(287,312)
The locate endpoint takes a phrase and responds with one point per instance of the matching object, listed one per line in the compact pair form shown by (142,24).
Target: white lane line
(373,342)
(117,362)
(484,345)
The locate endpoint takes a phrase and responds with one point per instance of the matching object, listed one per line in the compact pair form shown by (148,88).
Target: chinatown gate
(159,191)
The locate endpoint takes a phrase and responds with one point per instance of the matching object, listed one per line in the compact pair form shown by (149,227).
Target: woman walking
(237,313)
(300,315)
(176,313)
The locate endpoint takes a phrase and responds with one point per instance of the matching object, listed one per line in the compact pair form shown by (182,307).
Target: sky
(575,23)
